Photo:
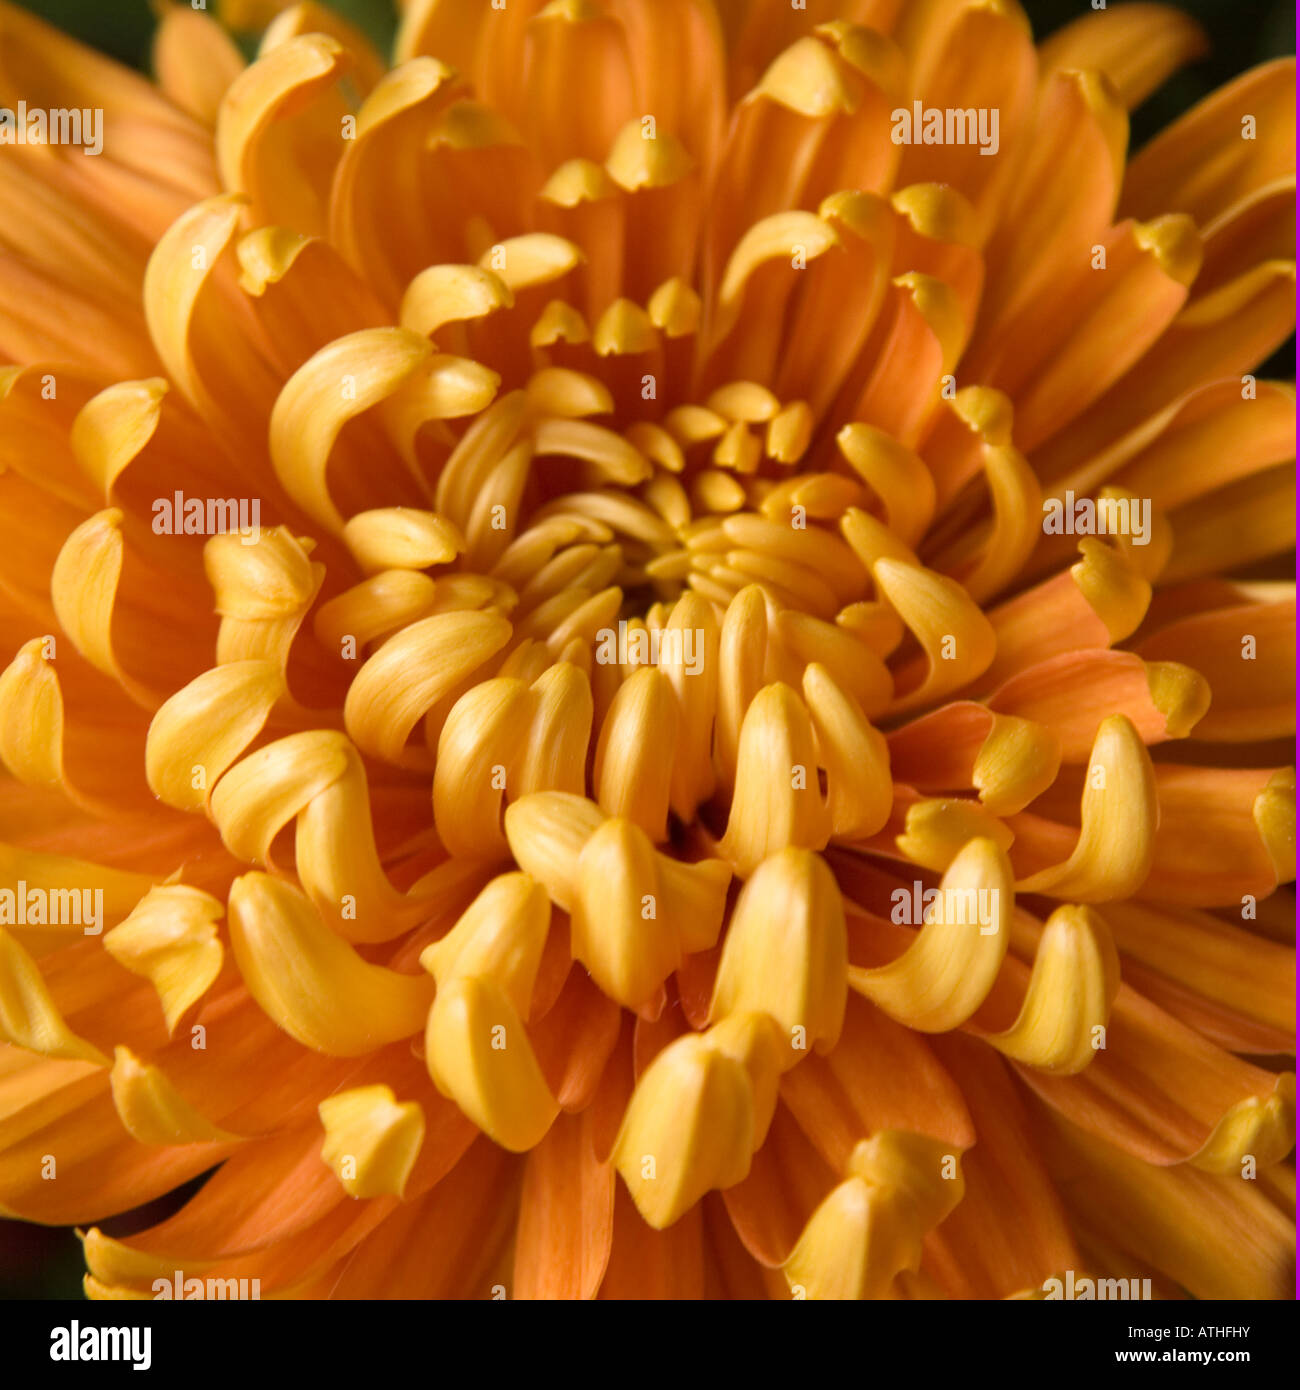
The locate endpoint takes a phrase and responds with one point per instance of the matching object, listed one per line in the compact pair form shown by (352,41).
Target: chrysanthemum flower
(646,806)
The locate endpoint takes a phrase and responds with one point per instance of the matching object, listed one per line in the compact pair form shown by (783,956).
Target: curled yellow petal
(401,538)
(772,246)
(872,540)
(445,294)
(477,749)
(675,308)
(32,721)
(558,323)
(57,875)
(83,589)
(392,123)
(1071,989)
(1261,1127)
(270,579)
(1017,760)
(371,1140)
(744,400)
(624,330)
(195,60)
(308,17)
(633,774)
(342,380)
(257,138)
(694,899)
(895,474)
(689,659)
(948,971)
(790,432)
(1151,557)
(547,832)
(170,938)
(536,258)
(376,608)
(1115,588)
(860,793)
(173,286)
(840,650)
(756,1041)
(935,831)
(786,953)
(411,673)
(554,756)
(197,734)
(310,982)
(1274,815)
(263,592)
(577,181)
(479,1055)
(500,936)
(1016,526)
(557,391)
(635,162)
(339,864)
(958,640)
(869,1230)
(689,1128)
(741,651)
(777,802)
(259,796)
(806,78)
(773,239)
(616,459)
(1119,814)
(620,931)
(441,387)
(28,1015)
(152,1110)
(112,429)
(1180,694)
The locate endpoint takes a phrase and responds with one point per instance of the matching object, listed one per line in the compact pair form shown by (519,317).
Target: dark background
(36,1262)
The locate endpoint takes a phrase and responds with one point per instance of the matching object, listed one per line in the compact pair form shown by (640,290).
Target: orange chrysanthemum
(669,687)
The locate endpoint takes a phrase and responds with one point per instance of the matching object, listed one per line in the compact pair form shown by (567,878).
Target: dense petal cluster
(646,681)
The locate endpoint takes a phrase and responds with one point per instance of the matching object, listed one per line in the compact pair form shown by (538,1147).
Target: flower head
(653,627)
